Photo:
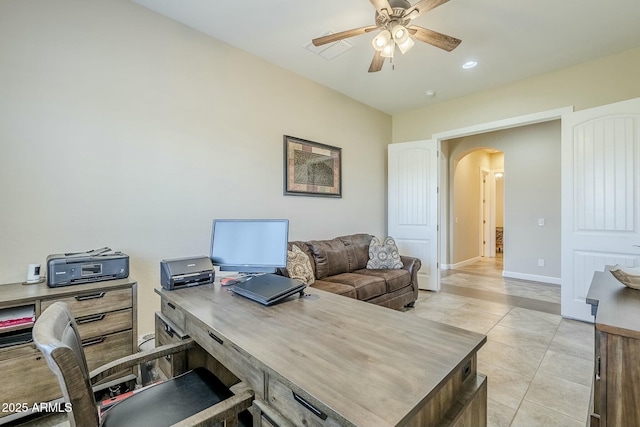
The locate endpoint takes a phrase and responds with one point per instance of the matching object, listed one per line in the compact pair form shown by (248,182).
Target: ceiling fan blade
(319,41)
(434,38)
(421,7)
(377,62)
(383,7)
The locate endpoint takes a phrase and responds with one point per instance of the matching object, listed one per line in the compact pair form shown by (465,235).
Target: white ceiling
(510,39)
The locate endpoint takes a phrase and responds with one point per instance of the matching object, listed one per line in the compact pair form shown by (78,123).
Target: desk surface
(370,364)
(618,306)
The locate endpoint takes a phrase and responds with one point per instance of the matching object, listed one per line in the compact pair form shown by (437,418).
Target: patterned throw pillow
(384,255)
(299,266)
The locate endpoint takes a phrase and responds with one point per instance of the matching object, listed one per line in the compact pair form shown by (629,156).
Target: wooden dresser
(616,384)
(106,313)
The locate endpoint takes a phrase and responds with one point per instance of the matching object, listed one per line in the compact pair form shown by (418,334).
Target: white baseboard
(532,277)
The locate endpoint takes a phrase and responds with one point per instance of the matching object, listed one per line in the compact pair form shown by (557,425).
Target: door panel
(600,196)
(413,205)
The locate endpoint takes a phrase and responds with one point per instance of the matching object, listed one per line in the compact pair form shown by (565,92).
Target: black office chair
(194,398)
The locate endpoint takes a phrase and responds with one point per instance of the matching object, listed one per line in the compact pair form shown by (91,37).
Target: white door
(600,197)
(413,205)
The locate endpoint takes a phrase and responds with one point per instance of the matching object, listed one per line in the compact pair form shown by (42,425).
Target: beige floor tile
(499,415)
(531,415)
(531,320)
(574,338)
(566,397)
(511,358)
(533,341)
(567,367)
(487,307)
(504,386)
(471,320)
(572,347)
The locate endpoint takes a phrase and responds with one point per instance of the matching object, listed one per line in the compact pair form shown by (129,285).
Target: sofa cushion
(299,265)
(330,257)
(304,248)
(384,254)
(394,279)
(336,288)
(366,286)
(357,250)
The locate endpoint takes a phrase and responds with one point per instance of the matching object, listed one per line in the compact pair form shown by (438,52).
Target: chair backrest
(55,333)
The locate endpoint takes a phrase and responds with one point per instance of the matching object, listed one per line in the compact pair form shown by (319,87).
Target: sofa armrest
(412,265)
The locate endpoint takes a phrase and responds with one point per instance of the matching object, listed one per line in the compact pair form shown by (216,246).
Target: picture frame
(311,168)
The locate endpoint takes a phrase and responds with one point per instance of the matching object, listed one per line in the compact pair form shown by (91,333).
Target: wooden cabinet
(616,382)
(106,313)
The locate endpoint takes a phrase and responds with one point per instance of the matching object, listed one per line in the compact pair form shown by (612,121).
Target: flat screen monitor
(249,245)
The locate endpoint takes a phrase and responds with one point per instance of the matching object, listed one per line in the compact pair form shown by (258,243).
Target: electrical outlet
(540,262)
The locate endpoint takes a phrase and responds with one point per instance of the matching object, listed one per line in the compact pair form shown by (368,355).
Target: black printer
(85,267)
(184,272)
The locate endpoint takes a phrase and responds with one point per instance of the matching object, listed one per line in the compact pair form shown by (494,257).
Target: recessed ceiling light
(430,93)
(469,64)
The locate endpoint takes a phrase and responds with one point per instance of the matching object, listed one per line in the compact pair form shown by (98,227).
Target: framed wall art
(311,169)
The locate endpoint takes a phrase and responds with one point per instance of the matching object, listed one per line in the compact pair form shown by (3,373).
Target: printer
(84,267)
(184,272)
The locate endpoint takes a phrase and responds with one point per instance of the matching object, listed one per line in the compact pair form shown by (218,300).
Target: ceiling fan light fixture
(400,34)
(388,50)
(406,45)
(382,40)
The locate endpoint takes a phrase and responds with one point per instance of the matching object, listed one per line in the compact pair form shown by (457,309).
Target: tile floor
(539,365)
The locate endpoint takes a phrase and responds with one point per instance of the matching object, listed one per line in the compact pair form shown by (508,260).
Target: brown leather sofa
(340,267)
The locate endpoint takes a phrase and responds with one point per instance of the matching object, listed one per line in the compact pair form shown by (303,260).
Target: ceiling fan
(393,19)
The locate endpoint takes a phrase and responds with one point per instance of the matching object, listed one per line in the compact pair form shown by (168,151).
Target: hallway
(539,365)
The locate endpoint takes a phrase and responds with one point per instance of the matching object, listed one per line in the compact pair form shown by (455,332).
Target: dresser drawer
(167,333)
(99,301)
(299,409)
(174,314)
(94,325)
(107,348)
(227,354)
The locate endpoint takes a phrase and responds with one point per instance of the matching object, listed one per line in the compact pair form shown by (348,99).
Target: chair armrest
(123,363)
(219,412)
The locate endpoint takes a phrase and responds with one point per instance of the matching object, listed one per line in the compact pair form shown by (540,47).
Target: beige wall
(600,82)
(121,128)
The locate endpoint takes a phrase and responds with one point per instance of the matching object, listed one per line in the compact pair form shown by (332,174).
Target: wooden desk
(330,360)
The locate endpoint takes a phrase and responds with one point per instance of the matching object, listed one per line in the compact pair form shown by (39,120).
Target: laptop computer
(268,289)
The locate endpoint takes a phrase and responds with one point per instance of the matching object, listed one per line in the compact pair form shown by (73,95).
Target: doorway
(477,206)
(517,263)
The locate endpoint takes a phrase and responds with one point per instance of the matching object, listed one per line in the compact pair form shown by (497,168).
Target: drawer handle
(171,305)
(93,341)
(90,318)
(169,330)
(304,402)
(90,296)
(215,338)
